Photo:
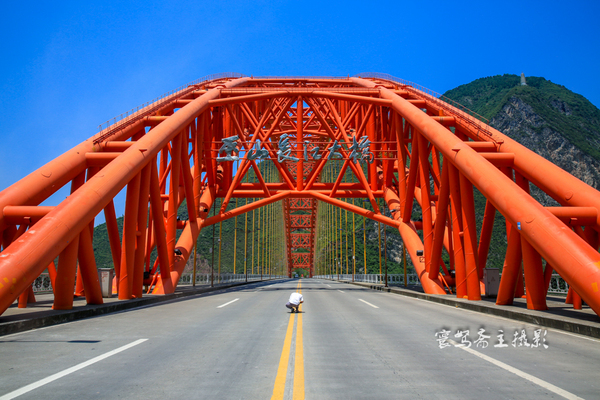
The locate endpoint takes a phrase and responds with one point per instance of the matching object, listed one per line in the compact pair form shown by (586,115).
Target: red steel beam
(389,114)
(22,263)
(544,232)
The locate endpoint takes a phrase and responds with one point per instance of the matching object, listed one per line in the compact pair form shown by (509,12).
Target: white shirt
(296,299)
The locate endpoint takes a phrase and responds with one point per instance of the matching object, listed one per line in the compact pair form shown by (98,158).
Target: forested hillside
(549,119)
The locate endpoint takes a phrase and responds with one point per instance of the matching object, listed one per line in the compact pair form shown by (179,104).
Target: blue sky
(68,66)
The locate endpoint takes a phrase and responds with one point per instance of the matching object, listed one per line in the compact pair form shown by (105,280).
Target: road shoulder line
(52,378)
(518,372)
(529,316)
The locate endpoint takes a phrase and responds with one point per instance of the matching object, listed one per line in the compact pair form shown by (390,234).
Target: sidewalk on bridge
(41,314)
(558,316)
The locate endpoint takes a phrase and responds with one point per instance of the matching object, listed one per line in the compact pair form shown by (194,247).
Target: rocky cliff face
(548,119)
(519,121)
(394,241)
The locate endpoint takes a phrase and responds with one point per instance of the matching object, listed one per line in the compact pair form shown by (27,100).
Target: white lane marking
(366,302)
(340,291)
(329,285)
(222,305)
(51,378)
(518,372)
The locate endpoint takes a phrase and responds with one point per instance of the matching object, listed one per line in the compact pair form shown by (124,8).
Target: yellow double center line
(298,373)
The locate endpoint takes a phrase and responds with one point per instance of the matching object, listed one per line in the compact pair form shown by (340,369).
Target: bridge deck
(559,315)
(356,343)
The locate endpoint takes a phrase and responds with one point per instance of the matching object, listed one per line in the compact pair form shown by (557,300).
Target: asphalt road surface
(347,343)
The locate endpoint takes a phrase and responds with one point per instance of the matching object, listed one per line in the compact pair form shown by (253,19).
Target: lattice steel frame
(425,150)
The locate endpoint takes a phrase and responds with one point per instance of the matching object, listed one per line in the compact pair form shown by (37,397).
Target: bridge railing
(479,122)
(203,279)
(43,284)
(160,100)
(557,284)
(393,279)
(299,77)
(404,82)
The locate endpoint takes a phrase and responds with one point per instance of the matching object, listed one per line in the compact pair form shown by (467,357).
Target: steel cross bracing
(427,156)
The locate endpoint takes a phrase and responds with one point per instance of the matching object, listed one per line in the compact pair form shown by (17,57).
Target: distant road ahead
(348,343)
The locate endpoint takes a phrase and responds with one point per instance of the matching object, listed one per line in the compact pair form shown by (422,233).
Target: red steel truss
(300,204)
(301,260)
(426,154)
(301,221)
(301,240)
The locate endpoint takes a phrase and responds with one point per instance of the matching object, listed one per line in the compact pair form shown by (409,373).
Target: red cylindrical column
(470,238)
(129,239)
(511,269)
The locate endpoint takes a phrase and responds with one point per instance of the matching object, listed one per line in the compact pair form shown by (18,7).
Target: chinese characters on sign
(283,154)
(520,339)
(361,150)
(229,147)
(358,150)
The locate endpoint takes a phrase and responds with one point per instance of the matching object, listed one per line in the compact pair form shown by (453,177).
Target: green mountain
(549,119)
(559,125)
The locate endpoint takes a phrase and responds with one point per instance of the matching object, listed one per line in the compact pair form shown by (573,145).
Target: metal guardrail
(557,284)
(404,82)
(204,279)
(393,279)
(160,100)
(149,107)
(477,121)
(43,284)
(299,77)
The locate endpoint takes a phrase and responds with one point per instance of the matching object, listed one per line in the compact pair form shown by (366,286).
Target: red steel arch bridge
(391,140)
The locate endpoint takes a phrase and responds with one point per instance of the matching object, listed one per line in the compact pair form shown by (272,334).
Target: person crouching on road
(295,300)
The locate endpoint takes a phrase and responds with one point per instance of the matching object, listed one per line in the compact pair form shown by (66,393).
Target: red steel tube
(534,277)
(486,235)
(348,206)
(470,238)
(424,174)
(65,276)
(412,241)
(42,183)
(571,256)
(185,244)
(575,215)
(87,267)
(243,209)
(18,215)
(24,263)
(511,269)
(440,223)
(113,235)
(457,233)
(142,223)
(156,206)
(129,239)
